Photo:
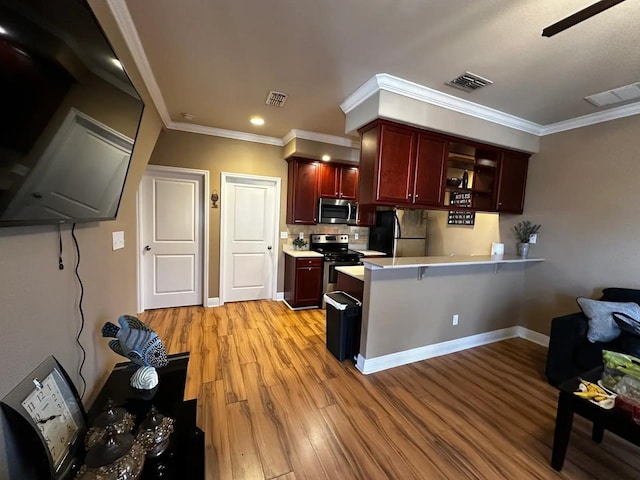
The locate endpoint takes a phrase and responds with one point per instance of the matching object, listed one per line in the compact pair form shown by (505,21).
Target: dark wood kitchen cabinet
(512,181)
(411,167)
(400,165)
(302,191)
(338,181)
(303,281)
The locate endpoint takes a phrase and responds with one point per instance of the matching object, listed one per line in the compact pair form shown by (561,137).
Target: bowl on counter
(453,182)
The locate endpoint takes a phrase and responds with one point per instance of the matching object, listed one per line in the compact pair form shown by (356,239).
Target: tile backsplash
(307,230)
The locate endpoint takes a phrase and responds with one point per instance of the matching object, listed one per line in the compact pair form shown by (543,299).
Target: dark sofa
(570,353)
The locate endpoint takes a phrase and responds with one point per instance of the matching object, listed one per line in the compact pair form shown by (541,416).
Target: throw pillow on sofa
(602,326)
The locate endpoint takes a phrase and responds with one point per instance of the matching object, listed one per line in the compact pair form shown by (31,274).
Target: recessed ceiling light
(257,121)
(326,158)
(187,116)
(3,31)
(117,63)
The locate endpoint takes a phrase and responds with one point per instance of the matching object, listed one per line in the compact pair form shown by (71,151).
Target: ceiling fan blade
(580,16)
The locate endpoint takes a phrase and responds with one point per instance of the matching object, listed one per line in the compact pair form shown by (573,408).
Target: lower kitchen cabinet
(303,281)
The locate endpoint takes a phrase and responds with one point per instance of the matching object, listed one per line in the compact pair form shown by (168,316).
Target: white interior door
(171,238)
(249,244)
(79,175)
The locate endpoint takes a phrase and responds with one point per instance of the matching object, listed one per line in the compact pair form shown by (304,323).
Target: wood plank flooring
(275,404)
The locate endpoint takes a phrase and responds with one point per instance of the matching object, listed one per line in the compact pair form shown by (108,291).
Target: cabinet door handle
(416,196)
(408,195)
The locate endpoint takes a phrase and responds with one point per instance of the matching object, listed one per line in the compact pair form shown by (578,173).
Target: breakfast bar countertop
(355,271)
(444,261)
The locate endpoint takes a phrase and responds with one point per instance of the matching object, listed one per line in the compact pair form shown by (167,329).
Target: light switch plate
(301,235)
(118,240)
(284,235)
(533,238)
(356,236)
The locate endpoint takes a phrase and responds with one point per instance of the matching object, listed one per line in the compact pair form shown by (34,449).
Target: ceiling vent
(469,82)
(616,95)
(276,99)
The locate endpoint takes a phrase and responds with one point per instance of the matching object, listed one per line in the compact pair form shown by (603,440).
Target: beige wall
(447,239)
(216,154)
(39,314)
(583,188)
(401,312)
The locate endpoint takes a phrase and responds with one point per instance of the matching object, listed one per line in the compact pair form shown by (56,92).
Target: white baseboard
(213,302)
(384,362)
(533,336)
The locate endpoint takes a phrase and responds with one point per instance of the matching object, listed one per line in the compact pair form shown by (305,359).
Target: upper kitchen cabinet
(471,176)
(338,181)
(400,166)
(512,182)
(302,191)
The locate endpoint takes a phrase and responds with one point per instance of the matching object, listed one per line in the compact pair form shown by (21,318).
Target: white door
(79,175)
(249,248)
(171,238)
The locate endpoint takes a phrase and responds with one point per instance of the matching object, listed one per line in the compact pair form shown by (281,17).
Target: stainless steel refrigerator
(400,233)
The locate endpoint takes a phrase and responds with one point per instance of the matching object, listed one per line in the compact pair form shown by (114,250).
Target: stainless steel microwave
(333,210)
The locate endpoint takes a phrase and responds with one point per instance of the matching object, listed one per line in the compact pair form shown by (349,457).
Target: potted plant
(523,231)
(299,243)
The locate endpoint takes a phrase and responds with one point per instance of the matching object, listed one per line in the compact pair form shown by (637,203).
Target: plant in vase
(299,243)
(523,231)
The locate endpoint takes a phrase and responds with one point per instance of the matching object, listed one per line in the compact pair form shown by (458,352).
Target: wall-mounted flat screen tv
(69,115)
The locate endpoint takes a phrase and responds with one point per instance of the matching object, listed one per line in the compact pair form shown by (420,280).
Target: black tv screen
(69,115)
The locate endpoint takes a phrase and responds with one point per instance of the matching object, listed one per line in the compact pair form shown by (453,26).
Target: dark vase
(465,179)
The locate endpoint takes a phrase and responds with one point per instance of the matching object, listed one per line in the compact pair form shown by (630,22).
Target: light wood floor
(274,403)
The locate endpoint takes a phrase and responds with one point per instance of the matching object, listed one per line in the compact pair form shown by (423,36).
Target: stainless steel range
(335,249)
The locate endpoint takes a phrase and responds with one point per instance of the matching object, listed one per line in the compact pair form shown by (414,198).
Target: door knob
(269,247)
(147,248)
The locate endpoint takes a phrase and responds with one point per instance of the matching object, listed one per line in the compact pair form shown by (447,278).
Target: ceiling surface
(217,59)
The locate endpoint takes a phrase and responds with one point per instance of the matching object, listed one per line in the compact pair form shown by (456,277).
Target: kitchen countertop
(444,261)
(369,253)
(303,253)
(355,271)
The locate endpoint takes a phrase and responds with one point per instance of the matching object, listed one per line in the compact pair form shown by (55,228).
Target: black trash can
(344,316)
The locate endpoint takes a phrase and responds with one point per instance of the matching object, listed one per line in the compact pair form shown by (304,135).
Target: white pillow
(602,326)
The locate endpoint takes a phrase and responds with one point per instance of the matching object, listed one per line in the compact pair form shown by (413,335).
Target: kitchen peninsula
(419,307)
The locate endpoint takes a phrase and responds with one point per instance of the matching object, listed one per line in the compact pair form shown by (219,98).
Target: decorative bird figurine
(140,344)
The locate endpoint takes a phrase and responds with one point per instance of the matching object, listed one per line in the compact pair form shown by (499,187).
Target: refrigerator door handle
(397,220)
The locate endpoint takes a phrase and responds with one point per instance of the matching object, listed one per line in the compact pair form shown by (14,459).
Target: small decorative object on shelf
(116,456)
(523,231)
(154,433)
(116,417)
(140,344)
(465,179)
(299,243)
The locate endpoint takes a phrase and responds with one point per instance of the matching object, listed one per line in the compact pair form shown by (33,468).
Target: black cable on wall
(84,353)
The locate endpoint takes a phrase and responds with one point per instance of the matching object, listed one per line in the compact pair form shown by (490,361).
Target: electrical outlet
(356,236)
(455,319)
(284,235)
(118,240)
(533,238)
(301,235)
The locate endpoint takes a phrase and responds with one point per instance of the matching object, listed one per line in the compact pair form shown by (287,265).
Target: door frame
(276,182)
(204,221)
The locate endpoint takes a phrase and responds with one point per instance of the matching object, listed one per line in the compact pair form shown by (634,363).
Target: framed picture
(47,407)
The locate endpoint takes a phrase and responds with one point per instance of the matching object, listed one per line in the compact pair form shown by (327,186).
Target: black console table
(184,459)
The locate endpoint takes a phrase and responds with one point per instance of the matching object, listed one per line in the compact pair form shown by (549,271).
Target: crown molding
(320,137)
(389,83)
(221,132)
(366,90)
(132,39)
(592,119)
